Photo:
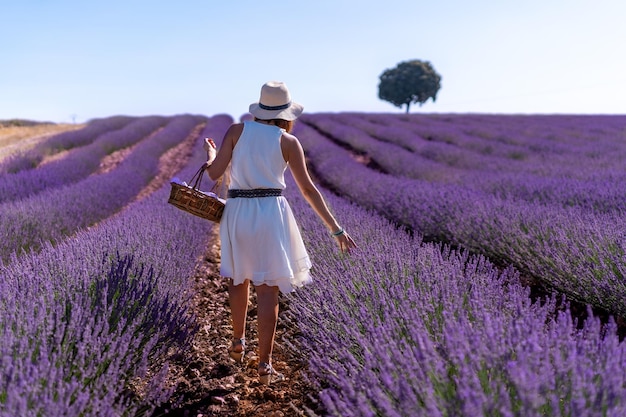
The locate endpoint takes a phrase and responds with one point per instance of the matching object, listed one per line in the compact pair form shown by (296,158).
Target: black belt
(255,192)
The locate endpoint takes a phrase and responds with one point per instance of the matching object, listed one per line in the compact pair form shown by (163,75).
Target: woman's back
(257,160)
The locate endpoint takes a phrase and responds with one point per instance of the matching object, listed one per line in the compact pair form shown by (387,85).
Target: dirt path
(209,382)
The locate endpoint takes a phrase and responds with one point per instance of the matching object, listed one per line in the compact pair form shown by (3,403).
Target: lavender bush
(78,336)
(78,163)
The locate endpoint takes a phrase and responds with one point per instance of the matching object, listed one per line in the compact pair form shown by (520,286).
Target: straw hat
(275,103)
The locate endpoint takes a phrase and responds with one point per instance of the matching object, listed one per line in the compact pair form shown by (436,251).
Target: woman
(260,239)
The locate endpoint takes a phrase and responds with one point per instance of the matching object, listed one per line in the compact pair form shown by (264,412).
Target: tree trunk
(407,106)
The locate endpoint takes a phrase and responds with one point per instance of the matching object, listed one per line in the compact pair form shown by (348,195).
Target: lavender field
(546,194)
(86,310)
(429,317)
(412,328)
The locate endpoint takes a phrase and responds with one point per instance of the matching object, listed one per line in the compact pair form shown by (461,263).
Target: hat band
(281,107)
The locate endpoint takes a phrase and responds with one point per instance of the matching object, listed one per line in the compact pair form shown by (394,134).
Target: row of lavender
(405,328)
(54,213)
(568,161)
(87,325)
(79,162)
(575,245)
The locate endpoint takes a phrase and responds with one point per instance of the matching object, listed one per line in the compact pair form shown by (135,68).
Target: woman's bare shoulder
(233,133)
(290,145)
(290,139)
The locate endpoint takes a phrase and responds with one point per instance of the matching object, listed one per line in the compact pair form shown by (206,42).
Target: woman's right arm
(294,155)
(218,166)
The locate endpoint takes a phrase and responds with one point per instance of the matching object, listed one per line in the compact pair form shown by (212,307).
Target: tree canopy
(409,82)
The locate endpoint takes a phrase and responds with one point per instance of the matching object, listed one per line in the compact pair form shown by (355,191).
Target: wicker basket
(194,201)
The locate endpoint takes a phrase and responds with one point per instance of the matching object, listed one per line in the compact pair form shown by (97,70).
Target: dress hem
(284,284)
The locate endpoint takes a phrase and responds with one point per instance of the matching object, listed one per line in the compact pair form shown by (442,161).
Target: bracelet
(339,232)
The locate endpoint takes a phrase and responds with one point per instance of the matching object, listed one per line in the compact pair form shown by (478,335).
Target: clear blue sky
(64,60)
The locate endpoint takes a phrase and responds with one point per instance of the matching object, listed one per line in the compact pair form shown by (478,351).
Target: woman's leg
(238,296)
(267,305)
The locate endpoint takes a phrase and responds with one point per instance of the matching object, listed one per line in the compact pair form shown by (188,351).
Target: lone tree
(409,82)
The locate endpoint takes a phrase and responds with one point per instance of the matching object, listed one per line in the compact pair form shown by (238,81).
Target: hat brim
(290,113)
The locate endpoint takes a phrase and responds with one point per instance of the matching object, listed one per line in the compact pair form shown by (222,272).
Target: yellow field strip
(15,138)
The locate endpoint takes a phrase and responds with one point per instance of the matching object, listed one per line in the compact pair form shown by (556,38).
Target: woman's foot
(267,374)
(237,349)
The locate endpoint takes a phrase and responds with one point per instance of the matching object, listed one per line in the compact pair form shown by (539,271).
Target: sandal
(237,355)
(267,374)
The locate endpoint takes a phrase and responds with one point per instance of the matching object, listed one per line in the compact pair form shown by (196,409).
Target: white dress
(260,238)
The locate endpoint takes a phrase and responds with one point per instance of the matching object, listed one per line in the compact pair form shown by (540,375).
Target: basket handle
(197,180)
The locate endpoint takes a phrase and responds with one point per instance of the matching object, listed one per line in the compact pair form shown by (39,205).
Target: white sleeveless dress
(260,238)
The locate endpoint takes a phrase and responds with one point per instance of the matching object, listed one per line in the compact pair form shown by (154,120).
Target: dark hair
(282,123)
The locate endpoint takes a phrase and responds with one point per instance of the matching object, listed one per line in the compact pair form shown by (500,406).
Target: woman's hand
(345,241)
(211,150)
